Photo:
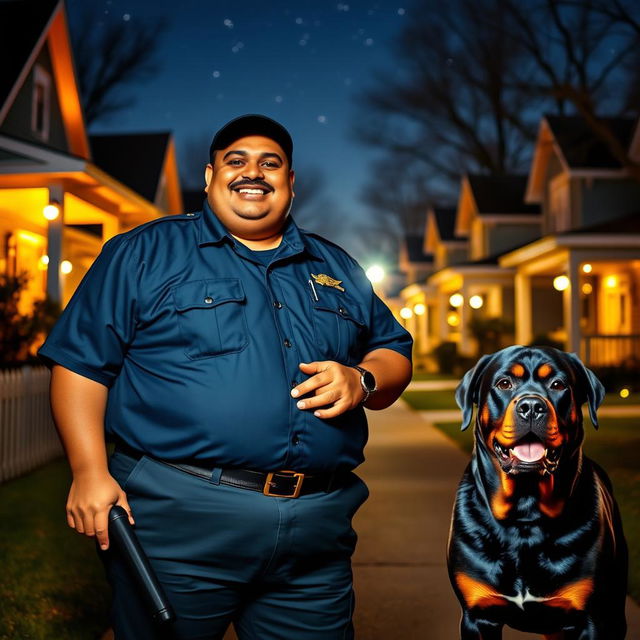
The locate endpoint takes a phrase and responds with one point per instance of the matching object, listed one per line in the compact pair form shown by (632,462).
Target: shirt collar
(212,231)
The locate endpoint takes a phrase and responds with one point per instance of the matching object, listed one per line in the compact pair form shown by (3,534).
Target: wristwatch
(367,382)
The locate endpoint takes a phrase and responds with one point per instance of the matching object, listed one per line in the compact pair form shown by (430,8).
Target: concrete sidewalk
(401,579)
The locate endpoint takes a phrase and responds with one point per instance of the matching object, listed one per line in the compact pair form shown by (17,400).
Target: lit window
(41,102)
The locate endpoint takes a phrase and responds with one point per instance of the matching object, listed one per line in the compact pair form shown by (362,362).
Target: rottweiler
(536,539)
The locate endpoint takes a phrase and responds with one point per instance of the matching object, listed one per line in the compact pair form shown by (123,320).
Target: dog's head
(529,405)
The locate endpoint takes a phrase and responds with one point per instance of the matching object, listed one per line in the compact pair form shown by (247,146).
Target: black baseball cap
(252,124)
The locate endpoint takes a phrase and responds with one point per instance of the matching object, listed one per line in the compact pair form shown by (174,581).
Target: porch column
(443,308)
(571,306)
(465,317)
(522,312)
(54,245)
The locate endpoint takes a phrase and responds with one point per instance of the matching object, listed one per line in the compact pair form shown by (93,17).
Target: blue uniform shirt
(199,343)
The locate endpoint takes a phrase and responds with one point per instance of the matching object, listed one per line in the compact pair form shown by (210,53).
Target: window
(41,103)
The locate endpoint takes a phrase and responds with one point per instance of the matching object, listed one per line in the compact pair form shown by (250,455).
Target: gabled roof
(440,228)
(626,225)
(581,148)
(28,20)
(414,246)
(500,194)
(135,159)
(578,149)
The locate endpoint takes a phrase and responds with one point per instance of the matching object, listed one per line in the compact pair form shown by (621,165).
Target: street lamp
(375,273)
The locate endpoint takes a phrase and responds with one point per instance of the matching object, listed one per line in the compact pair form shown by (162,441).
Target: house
(581,280)
(491,217)
(63,193)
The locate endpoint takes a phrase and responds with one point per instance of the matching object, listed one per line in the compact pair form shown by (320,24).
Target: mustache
(245,182)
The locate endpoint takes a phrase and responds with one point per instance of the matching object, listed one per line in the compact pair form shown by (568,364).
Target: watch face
(369,381)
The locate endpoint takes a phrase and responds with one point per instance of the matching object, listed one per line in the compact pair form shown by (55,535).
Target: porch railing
(28,437)
(611,350)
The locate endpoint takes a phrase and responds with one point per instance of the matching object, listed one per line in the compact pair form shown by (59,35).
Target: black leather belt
(279,484)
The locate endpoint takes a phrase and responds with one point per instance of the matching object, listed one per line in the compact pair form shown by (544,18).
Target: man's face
(250,187)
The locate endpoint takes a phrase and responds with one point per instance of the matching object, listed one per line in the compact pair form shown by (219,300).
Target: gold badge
(327,281)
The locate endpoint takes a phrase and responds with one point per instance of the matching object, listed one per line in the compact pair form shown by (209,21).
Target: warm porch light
(419,309)
(375,273)
(456,300)
(587,268)
(406,313)
(587,288)
(560,283)
(624,393)
(66,267)
(43,263)
(476,302)
(52,210)
(453,319)
(611,282)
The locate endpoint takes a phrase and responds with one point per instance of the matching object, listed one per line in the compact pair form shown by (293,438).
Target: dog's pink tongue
(529,452)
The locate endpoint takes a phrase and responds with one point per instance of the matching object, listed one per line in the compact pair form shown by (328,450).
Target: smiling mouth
(528,454)
(252,191)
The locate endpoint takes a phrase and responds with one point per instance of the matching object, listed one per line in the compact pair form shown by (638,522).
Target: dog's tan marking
(572,596)
(544,371)
(501,501)
(476,593)
(549,504)
(484,415)
(517,370)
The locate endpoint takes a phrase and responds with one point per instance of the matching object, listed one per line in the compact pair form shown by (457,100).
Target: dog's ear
(467,392)
(592,387)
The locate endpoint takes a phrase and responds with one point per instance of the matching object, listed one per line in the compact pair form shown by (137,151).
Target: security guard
(228,354)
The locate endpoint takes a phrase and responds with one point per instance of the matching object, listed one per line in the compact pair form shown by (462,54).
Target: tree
(110,55)
(472,79)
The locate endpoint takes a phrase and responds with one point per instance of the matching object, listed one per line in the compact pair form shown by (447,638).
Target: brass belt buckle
(296,490)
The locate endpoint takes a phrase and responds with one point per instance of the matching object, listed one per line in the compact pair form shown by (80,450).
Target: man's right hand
(90,499)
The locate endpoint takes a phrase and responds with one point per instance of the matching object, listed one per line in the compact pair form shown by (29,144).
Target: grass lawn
(616,447)
(421,375)
(431,400)
(52,584)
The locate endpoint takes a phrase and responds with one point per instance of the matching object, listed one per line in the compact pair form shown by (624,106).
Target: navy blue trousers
(277,568)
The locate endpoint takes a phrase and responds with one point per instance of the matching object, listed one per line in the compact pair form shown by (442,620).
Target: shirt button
(277,304)
(208,300)
(296,440)
(190,215)
(342,310)
(287,343)
(294,384)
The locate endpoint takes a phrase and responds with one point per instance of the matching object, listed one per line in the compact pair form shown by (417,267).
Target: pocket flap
(205,294)
(341,304)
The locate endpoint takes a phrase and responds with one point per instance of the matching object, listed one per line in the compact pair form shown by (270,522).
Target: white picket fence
(28,437)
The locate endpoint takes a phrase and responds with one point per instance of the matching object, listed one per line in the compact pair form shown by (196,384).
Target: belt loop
(215,475)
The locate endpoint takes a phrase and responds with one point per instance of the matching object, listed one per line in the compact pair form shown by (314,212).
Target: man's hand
(90,499)
(333,385)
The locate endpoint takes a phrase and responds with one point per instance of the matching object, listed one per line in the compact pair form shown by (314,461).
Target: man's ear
(292,179)
(208,174)
(591,389)
(467,390)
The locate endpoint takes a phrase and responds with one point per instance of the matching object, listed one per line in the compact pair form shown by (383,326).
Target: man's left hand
(334,386)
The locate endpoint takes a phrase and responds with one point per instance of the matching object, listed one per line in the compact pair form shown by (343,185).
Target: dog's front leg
(472,628)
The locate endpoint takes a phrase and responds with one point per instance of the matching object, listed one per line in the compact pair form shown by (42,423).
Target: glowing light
(587,268)
(51,211)
(611,282)
(456,300)
(587,288)
(66,266)
(43,263)
(419,309)
(476,302)
(375,273)
(453,319)
(624,393)
(29,237)
(406,313)
(560,283)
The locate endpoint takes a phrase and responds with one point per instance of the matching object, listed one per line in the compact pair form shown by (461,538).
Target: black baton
(122,536)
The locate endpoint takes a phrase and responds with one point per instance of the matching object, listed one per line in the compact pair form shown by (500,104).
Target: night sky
(301,63)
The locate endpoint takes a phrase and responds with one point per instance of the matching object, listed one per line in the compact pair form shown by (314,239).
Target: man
(228,354)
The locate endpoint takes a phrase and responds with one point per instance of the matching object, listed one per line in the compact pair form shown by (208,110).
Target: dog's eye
(558,385)
(504,384)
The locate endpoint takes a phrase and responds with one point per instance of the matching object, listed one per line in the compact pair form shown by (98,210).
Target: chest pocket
(211,317)
(339,325)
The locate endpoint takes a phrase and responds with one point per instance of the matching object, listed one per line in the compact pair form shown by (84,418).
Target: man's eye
(271,165)
(558,385)
(235,162)
(504,384)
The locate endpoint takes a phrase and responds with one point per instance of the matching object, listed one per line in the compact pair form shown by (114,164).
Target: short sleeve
(385,332)
(92,335)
